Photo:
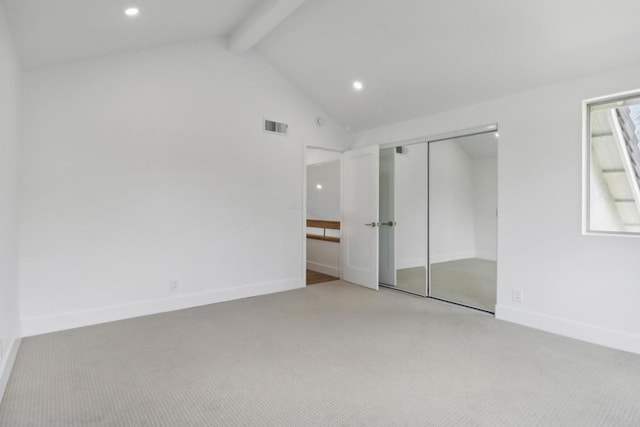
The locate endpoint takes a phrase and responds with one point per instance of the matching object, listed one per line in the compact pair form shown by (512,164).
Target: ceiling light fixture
(497,135)
(319,186)
(357,85)
(132,12)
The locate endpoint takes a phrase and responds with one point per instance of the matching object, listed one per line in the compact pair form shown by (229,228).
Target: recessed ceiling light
(357,85)
(319,186)
(497,135)
(132,12)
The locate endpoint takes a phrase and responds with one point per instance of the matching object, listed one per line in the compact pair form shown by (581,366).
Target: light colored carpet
(335,354)
(472,282)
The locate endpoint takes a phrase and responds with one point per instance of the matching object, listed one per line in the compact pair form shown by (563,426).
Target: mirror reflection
(613,180)
(403,218)
(463,193)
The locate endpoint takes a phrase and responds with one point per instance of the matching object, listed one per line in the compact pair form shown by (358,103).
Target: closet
(438,219)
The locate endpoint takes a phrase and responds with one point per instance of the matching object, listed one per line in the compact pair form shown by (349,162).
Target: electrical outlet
(517,295)
(174,285)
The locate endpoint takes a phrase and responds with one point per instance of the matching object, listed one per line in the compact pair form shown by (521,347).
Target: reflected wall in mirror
(403,218)
(463,194)
(387,235)
(612,165)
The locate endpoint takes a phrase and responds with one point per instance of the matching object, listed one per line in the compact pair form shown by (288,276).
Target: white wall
(411,206)
(484,178)
(451,208)
(315,156)
(9,87)
(587,287)
(151,166)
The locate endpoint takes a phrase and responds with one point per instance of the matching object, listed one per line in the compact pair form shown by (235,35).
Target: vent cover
(276,127)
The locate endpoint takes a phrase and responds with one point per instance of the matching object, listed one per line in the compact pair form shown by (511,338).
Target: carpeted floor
(335,354)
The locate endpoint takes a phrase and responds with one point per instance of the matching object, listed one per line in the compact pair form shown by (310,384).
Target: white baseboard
(324,269)
(569,328)
(7,365)
(452,256)
(43,325)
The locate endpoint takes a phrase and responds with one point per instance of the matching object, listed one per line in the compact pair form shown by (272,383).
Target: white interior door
(360,216)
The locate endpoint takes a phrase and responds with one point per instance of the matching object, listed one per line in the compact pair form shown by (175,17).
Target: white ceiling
(418,57)
(415,57)
(51,31)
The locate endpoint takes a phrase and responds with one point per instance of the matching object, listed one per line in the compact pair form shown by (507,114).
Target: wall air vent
(276,127)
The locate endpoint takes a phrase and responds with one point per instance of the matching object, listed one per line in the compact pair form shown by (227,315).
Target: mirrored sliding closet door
(403,218)
(463,194)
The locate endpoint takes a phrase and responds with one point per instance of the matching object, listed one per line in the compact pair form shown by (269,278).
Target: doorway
(323,169)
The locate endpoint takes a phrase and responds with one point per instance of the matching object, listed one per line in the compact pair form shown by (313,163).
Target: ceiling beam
(260,22)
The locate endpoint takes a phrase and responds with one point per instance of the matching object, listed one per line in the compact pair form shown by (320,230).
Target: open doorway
(323,215)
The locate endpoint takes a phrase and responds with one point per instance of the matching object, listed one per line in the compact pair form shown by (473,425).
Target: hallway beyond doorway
(313,278)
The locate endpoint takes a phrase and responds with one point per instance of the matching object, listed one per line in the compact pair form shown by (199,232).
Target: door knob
(389,224)
(373,224)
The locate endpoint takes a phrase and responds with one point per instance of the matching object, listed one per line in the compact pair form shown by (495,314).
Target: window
(612,165)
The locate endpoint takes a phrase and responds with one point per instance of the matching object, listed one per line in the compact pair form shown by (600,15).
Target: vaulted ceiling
(53,31)
(414,57)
